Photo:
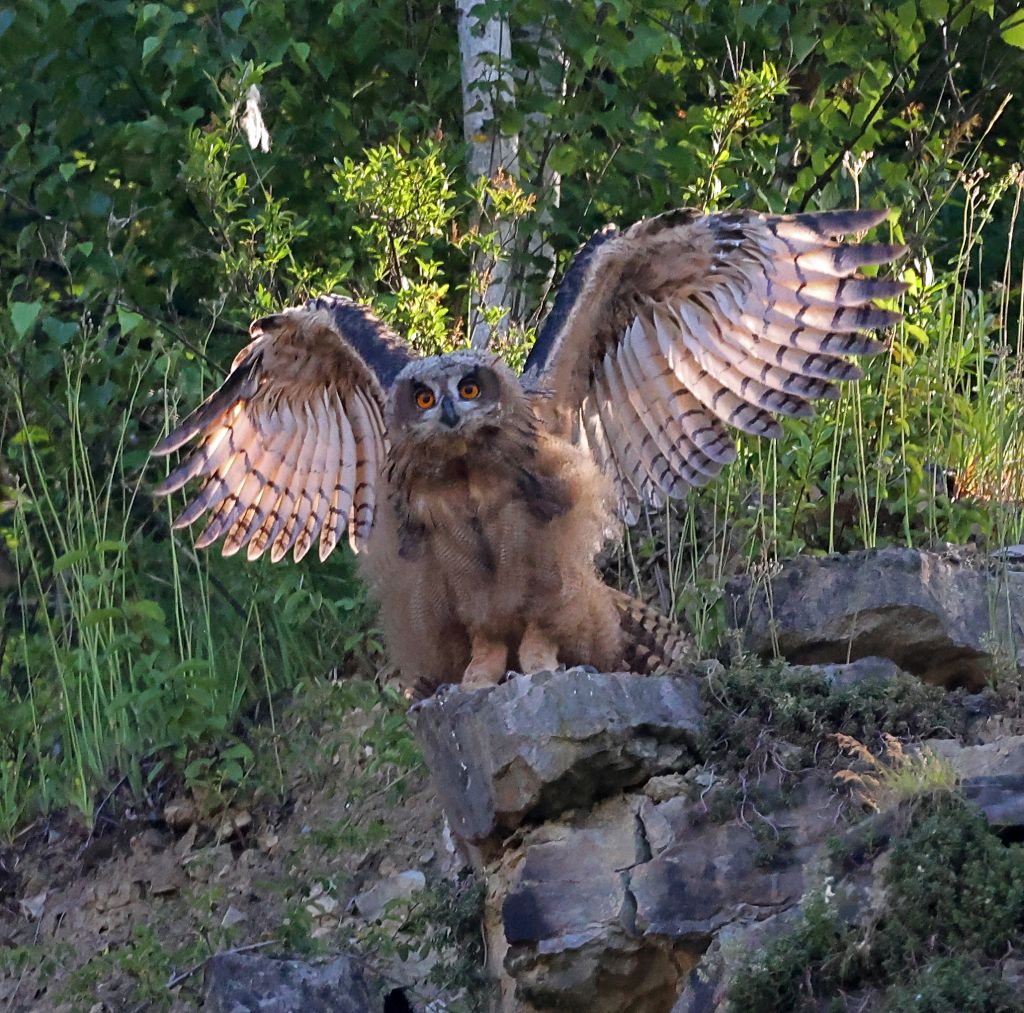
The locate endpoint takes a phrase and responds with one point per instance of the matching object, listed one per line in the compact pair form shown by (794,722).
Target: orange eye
(469,390)
(425,399)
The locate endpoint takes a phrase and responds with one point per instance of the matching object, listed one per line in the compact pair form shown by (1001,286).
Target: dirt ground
(124,915)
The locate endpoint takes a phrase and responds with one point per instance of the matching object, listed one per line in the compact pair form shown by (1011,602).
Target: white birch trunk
(486,51)
(549,79)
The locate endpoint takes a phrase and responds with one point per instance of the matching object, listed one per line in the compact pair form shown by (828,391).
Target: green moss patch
(752,706)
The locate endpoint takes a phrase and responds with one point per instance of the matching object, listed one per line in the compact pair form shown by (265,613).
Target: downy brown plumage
(476,499)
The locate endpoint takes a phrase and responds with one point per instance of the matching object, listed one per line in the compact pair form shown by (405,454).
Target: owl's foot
(537,653)
(487,665)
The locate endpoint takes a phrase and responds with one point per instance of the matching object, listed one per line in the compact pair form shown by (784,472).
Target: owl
(477,499)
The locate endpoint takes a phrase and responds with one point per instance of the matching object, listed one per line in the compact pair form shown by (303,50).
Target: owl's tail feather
(653,643)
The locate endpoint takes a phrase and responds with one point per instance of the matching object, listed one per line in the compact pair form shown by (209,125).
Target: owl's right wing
(292,444)
(666,334)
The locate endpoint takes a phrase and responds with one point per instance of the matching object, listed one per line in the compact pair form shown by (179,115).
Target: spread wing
(664,335)
(292,444)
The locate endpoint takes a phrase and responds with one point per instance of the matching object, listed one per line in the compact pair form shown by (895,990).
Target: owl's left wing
(292,444)
(665,334)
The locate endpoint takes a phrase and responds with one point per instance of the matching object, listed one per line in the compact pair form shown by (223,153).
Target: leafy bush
(953,905)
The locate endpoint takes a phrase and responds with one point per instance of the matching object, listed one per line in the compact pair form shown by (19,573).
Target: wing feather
(364,498)
(683,325)
(291,446)
(341,495)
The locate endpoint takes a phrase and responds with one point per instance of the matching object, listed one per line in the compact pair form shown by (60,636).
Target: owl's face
(450,397)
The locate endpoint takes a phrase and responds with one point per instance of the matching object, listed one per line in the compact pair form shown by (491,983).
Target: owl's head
(454,396)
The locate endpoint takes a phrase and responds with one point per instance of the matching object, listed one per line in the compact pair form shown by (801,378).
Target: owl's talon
(487,665)
(537,652)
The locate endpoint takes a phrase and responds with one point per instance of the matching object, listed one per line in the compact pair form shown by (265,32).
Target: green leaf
(935,10)
(72,558)
(98,615)
(301,50)
(149,46)
(111,545)
(147,609)
(62,331)
(563,159)
(24,315)
(67,170)
(6,19)
(33,436)
(128,320)
(233,18)
(1012,29)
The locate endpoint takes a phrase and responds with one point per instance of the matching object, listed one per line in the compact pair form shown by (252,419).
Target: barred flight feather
(687,323)
(291,444)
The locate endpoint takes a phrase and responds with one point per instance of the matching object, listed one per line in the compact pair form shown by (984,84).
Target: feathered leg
(487,665)
(537,651)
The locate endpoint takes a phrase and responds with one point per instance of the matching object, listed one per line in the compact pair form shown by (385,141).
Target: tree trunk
(487,80)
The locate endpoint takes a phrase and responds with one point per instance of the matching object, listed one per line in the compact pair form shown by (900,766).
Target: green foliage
(143,962)
(953,905)
(141,233)
(955,889)
(443,923)
(776,980)
(953,985)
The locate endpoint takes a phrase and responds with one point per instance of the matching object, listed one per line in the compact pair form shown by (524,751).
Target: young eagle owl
(477,499)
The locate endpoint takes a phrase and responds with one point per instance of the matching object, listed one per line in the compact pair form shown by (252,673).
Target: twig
(96,814)
(830,170)
(176,979)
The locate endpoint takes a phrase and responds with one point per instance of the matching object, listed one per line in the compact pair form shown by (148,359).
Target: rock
(371,903)
(707,984)
(991,776)
(863,671)
(181,813)
(1013,973)
(534,747)
(233,917)
(610,911)
(33,907)
(243,982)
(567,932)
(930,613)
(665,786)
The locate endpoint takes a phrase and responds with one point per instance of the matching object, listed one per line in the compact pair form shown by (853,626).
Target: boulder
(933,614)
(568,932)
(537,746)
(991,776)
(611,910)
(242,982)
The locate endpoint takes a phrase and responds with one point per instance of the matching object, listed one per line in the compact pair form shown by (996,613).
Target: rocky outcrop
(625,860)
(534,747)
(631,865)
(938,615)
(991,776)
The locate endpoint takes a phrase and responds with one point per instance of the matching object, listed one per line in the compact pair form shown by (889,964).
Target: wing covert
(291,445)
(664,335)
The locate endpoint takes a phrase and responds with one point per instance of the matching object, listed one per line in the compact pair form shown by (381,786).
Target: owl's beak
(449,416)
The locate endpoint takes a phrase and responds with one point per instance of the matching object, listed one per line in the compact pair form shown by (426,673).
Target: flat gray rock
(991,776)
(251,983)
(930,613)
(539,745)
